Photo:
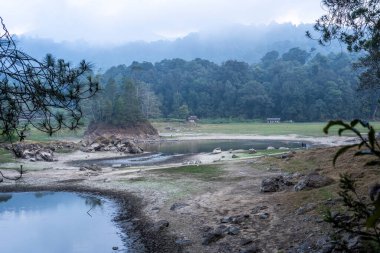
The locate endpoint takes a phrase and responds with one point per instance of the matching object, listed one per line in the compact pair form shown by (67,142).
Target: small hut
(273,120)
(192,119)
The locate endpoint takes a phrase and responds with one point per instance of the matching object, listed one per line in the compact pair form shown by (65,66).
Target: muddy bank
(139,232)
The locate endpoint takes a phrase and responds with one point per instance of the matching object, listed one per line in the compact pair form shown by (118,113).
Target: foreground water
(57,222)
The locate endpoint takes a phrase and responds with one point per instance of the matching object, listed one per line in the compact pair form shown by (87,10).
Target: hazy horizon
(117,22)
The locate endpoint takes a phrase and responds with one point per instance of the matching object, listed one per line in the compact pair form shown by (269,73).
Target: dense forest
(297,85)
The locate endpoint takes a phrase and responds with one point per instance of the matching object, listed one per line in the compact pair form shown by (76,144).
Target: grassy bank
(253,128)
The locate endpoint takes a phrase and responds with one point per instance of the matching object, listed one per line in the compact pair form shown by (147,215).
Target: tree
(356,24)
(45,94)
(297,55)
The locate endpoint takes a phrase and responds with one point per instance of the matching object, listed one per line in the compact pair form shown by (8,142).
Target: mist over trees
(297,85)
(238,42)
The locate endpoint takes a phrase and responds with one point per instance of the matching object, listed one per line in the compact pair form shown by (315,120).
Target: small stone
(212,237)
(252,249)
(263,216)
(225,219)
(307,208)
(233,230)
(183,242)
(160,225)
(245,241)
(115,248)
(176,206)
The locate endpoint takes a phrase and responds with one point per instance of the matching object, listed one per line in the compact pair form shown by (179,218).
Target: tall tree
(356,24)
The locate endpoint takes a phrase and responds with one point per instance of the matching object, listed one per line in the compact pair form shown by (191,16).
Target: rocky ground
(267,204)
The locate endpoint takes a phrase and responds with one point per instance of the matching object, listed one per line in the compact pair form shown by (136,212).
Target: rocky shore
(266,204)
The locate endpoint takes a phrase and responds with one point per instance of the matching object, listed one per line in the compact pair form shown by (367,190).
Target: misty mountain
(243,43)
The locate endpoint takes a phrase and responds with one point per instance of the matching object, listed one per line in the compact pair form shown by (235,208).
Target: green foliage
(370,142)
(356,24)
(117,104)
(362,216)
(204,172)
(46,94)
(297,85)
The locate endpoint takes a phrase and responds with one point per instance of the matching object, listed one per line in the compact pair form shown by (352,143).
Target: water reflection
(61,222)
(5,197)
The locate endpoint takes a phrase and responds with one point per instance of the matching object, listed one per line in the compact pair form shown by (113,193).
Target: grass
(64,134)
(204,172)
(6,156)
(253,128)
(171,187)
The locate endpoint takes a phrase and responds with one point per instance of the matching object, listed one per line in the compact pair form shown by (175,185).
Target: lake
(59,222)
(179,151)
(199,146)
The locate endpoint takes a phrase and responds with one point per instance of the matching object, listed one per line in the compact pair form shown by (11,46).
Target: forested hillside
(297,85)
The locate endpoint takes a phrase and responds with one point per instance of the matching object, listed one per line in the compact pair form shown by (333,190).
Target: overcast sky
(118,21)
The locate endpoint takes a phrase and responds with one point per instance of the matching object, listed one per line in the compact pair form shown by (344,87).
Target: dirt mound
(138,131)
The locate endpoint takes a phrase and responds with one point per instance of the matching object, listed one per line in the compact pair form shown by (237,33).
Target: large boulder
(313,180)
(44,155)
(275,183)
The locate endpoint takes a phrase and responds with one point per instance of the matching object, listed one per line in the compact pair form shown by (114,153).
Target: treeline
(297,85)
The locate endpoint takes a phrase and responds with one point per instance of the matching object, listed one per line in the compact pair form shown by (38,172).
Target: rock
(115,248)
(245,241)
(270,148)
(28,154)
(32,159)
(307,208)
(263,216)
(275,183)
(258,208)
(233,230)
(213,236)
(160,225)
(252,151)
(92,167)
(251,249)
(96,146)
(176,206)
(183,242)
(238,218)
(205,229)
(313,180)
(235,156)
(45,155)
(225,220)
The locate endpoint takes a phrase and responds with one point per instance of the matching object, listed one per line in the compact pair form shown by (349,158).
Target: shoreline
(190,204)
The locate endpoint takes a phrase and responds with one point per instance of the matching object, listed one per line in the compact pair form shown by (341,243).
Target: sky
(101,22)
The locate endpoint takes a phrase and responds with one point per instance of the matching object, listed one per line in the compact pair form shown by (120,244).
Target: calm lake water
(178,151)
(57,222)
(199,146)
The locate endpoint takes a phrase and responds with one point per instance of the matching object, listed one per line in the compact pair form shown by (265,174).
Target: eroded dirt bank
(209,208)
